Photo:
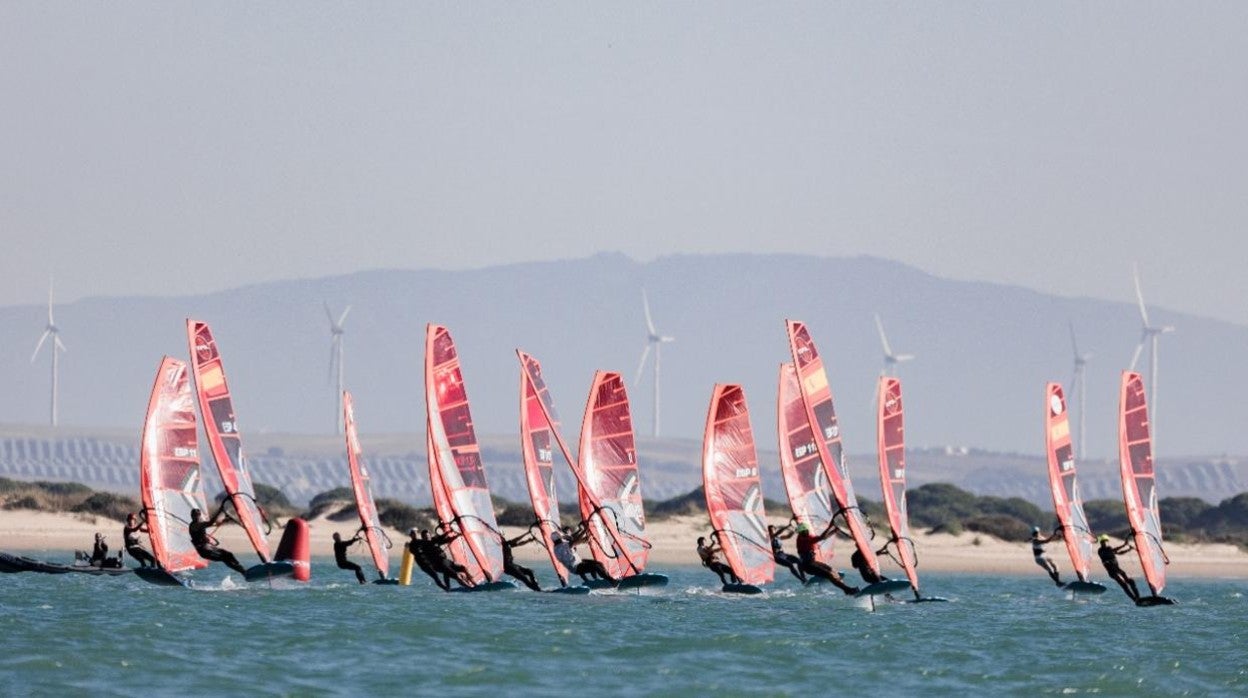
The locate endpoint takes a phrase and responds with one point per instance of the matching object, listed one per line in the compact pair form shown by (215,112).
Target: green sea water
(82,635)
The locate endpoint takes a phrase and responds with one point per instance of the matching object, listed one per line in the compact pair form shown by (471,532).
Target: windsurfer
(710,555)
(130,538)
(806,544)
(1037,552)
(340,556)
(562,542)
(524,574)
(207,546)
(777,550)
(1109,558)
(448,568)
(859,561)
(419,546)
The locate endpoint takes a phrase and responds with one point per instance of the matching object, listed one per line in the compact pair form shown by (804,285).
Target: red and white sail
(817,397)
(370,523)
(891,449)
(805,481)
(458,548)
(457,457)
(1062,483)
(610,484)
(539,426)
(169,477)
(1139,491)
(734,494)
(221,427)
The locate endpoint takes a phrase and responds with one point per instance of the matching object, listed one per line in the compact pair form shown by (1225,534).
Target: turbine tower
(1148,335)
(890,359)
(335,359)
(655,341)
(55,347)
(1078,383)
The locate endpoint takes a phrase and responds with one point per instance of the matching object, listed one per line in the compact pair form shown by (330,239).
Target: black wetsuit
(782,558)
(130,537)
(806,551)
(340,557)
(524,574)
(1109,558)
(99,553)
(202,541)
(860,563)
(421,554)
(720,569)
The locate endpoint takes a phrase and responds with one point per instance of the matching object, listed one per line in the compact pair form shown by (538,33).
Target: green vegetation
(1183,519)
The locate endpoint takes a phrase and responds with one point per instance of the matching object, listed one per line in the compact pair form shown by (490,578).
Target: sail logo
(545,455)
(228,427)
(184,452)
(747,472)
(831,432)
(1068,464)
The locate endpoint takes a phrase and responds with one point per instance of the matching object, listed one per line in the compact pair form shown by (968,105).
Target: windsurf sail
(891,448)
(1066,499)
(169,478)
(805,482)
(221,427)
(1139,491)
(458,548)
(457,457)
(537,435)
(817,398)
(734,494)
(369,521)
(609,489)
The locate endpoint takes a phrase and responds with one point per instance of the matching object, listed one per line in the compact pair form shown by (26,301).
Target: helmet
(1035,529)
(411,532)
(801,528)
(1103,538)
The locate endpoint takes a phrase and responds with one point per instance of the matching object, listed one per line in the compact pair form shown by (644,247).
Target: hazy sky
(181,147)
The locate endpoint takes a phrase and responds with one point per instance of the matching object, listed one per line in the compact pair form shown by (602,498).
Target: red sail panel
(817,397)
(805,481)
(458,455)
(1139,491)
(458,548)
(891,448)
(610,485)
(221,426)
(370,523)
(1066,499)
(537,448)
(734,493)
(169,478)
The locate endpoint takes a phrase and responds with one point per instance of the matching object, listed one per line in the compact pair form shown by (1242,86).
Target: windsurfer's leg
(232,562)
(141,556)
(359,573)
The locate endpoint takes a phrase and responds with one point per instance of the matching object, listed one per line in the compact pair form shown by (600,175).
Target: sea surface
(83,635)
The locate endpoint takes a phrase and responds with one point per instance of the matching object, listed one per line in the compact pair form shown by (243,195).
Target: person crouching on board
(806,544)
(859,563)
(561,543)
(1037,553)
(524,574)
(130,538)
(710,560)
(208,547)
(340,556)
(1109,558)
(776,535)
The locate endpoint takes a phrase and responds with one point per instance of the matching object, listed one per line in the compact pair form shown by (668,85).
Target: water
(120,635)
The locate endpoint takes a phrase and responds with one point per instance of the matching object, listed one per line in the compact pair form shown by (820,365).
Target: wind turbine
(655,341)
(335,358)
(890,359)
(56,346)
(1078,383)
(1148,335)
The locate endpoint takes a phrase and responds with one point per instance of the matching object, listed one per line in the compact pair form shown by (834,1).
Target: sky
(172,148)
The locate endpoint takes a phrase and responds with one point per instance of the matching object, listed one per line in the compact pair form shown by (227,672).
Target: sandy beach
(673,540)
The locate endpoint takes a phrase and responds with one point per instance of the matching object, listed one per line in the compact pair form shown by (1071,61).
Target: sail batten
(221,426)
(1139,491)
(730,479)
(170,482)
(891,449)
(1067,501)
(370,522)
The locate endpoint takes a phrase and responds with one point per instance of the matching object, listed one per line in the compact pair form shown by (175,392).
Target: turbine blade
(56,340)
(888,351)
(39,346)
(1136,356)
(641,365)
(645,302)
(1139,295)
(329,315)
(343,318)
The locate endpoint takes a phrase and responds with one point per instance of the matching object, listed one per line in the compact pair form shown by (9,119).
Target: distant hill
(984,351)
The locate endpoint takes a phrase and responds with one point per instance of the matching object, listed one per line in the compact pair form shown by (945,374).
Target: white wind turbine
(656,341)
(335,359)
(1148,335)
(55,347)
(890,359)
(1078,383)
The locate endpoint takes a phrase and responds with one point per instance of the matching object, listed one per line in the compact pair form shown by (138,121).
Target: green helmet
(1103,538)
(801,527)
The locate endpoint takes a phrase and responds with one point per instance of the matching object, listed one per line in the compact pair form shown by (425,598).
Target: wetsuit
(207,548)
(806,544)
(1045,562)
(709,561)
(340,557)
(130,537)
(575,565)
(99,553)
(444,565)
(860,563)
(782,558)
(1109,558)
(421,554)
(524,574)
